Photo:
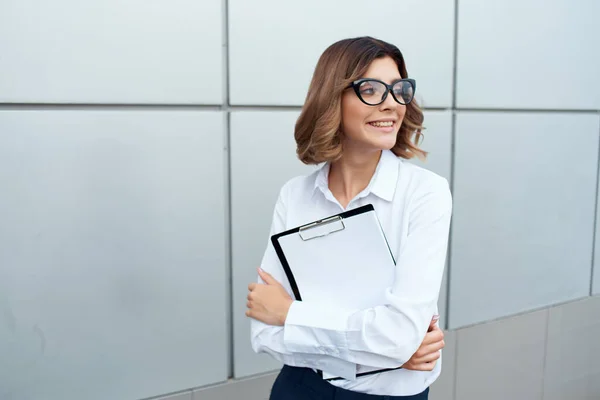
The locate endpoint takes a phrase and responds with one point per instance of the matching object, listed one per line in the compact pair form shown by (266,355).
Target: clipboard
(343,260)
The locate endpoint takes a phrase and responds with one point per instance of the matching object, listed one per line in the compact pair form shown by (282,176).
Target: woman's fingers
(425,358)
(433,323)
(436,335)
(429,357)
(425,366)
(421,366)
(265,276)
(425,354)
(430,348)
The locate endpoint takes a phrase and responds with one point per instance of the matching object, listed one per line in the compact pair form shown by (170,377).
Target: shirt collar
(385,180)
(383,183)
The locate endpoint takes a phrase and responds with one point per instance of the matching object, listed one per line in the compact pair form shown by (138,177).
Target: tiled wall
(142,146)
(112,255)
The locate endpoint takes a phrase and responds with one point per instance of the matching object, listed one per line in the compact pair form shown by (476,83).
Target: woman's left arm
(387,335)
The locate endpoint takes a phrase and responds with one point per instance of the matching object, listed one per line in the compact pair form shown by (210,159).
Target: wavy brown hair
(317,131)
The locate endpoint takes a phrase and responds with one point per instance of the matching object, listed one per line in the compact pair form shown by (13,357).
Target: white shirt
(414,206)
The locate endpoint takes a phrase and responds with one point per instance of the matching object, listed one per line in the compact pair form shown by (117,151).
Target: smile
(382,124)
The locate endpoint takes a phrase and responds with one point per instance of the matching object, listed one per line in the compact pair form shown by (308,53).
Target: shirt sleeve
(385,336)
(270,339)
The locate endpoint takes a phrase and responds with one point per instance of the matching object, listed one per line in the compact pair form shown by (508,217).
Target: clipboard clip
(321,228)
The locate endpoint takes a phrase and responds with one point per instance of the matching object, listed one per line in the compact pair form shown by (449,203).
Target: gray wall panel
(503,359)
(524,212)
(438,142)
(573,350)
(138,51)
(112,278)
(528,54)
(263,158)
(289,38)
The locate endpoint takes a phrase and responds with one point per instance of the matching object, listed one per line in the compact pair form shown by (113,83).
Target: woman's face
(372,127)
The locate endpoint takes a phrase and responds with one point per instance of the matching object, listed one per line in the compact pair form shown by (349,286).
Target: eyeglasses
(374,92)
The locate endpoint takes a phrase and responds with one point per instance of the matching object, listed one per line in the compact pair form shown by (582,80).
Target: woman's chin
(375,144)
(385,144)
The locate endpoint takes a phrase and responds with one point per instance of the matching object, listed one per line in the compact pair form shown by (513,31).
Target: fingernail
(436,317)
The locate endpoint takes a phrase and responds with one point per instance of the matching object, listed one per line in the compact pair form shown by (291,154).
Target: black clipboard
(352,236)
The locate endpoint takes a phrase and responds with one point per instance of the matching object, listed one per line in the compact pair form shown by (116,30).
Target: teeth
(382,124)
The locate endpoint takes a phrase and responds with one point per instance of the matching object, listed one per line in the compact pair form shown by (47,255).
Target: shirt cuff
(315,330)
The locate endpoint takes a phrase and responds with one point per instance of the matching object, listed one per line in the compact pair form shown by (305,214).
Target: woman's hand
(269,302)
(428,353)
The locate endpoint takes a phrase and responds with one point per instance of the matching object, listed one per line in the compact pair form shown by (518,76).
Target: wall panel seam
(596,224)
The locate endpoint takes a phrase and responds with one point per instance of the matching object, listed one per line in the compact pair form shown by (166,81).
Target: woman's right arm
(269,339)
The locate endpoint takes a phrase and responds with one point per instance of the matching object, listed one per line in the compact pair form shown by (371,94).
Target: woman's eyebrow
(392,81)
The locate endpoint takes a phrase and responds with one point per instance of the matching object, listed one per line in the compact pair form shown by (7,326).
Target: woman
(361,122)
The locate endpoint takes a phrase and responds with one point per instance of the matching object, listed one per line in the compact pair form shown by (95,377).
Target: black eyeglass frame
(389,89)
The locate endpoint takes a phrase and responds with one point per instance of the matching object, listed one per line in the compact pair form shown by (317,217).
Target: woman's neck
(351,174)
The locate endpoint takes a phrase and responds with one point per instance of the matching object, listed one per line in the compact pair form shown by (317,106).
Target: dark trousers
(294,383)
